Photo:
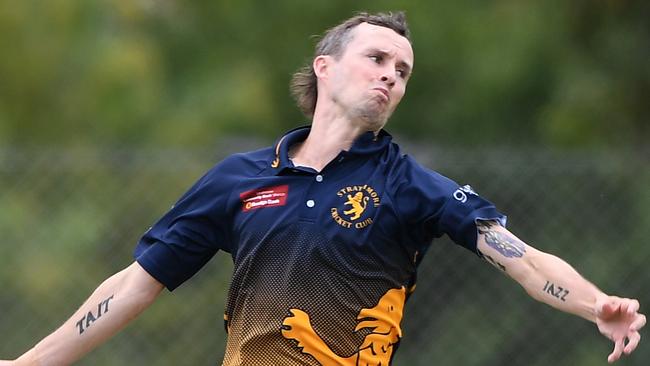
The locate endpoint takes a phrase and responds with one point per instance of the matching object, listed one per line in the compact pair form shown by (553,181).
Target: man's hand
(619,319)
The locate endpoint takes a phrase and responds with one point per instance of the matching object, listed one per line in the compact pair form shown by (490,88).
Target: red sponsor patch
(264,197)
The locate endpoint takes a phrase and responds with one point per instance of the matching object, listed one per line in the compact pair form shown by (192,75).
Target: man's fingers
(616,354)
(609,309)
(627,306)
(624,306)
(638,323)
(605,310)
(634,307)
(633,341)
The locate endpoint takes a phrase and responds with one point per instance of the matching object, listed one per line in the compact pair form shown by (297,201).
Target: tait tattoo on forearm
(557,291)
(88,319)
(507,245)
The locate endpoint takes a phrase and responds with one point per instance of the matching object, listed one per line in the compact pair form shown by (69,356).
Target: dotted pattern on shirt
(299,267)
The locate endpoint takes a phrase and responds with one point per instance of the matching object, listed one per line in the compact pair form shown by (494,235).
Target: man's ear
(321,66)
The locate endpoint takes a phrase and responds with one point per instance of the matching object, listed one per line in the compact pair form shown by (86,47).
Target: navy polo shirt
(323,261)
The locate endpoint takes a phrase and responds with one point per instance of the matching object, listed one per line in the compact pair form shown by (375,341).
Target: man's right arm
(117,301)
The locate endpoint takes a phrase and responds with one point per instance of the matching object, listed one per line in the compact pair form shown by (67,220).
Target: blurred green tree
(114,72)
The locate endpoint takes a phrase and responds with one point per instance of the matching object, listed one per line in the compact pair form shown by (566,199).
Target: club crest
(357,206)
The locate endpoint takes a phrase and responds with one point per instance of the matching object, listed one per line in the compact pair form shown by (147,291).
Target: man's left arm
(551,280)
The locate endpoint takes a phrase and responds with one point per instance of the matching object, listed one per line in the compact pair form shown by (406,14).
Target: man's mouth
(384,92)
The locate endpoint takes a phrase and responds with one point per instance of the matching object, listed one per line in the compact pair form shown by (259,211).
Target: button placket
(312,199)
(310,202)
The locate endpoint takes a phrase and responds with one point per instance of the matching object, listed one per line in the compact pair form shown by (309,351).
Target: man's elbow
(141,284)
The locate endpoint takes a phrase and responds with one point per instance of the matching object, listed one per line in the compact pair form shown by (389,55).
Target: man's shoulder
(259,156)
(406,170)
(244,163)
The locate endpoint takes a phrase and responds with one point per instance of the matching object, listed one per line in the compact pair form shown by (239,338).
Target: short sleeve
(435,205)
(189,234)
(460,213)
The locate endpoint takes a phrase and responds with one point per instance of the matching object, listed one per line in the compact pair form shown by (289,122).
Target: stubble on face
(371,110)
(374,112)
(365,104)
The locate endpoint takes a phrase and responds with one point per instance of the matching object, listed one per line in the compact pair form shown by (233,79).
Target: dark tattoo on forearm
(88,319)
(507,245)
(557,291)
(493,262)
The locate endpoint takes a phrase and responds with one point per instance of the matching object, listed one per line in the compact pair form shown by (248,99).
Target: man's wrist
(600,299)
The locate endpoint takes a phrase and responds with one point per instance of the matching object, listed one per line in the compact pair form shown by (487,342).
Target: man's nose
(388,79)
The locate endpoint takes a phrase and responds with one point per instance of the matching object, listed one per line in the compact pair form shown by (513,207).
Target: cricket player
(326,230)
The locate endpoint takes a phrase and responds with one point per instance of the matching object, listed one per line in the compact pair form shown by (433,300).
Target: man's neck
(326,140)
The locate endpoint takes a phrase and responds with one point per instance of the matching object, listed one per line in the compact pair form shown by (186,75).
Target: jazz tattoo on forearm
(557,291)
(508,245)
(89,318)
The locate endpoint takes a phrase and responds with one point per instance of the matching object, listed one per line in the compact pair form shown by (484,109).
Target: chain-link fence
(69,218)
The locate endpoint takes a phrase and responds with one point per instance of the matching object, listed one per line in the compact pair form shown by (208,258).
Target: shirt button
(319,178)
(311,203)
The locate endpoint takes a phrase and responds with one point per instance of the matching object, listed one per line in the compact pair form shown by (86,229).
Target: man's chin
(375,122)
(374,116)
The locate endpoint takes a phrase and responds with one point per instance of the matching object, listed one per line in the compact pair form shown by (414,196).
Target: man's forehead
(368,35)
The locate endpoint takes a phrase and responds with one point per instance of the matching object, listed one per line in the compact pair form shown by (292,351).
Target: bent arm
(117,301)
(551,280)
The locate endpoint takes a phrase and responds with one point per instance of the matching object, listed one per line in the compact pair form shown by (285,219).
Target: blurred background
(111,109)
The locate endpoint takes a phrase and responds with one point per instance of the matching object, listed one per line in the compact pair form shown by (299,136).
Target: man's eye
(376,59)
(403,73)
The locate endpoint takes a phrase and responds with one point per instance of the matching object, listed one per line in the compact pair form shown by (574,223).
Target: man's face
(369,79)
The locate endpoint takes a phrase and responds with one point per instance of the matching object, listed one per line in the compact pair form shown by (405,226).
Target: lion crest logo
(359,210)
(358,203)
(377,347)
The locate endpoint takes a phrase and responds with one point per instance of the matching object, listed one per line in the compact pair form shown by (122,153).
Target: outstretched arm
(551,280)
(116,302)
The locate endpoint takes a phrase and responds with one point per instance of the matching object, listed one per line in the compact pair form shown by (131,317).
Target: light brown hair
(303,83)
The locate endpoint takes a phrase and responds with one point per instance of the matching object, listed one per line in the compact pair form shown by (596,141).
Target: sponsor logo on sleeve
(461,193)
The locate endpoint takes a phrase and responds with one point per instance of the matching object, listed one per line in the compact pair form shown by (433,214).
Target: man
(326,230)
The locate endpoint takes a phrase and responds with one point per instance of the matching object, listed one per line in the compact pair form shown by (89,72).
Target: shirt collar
(364,145)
